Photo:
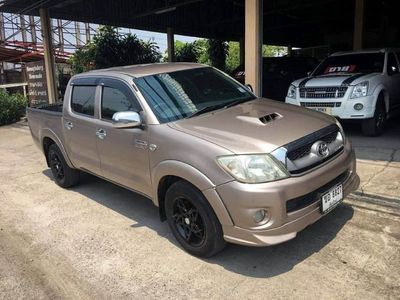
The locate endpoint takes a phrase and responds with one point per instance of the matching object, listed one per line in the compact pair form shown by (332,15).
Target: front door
(79,121)
(123,153)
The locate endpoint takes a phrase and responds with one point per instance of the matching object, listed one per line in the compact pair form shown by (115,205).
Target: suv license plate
(332,198)
(325,110)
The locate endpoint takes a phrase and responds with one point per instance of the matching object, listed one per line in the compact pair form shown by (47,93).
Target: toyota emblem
(321,149)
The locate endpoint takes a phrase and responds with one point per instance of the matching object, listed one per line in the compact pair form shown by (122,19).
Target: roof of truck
(147,69)
(376,50)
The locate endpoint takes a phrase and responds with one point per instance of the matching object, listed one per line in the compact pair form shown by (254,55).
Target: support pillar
(253,43)
(241,51)
(48,55)
(171,44)
(358,24)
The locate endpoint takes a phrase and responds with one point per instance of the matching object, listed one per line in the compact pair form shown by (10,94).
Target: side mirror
(309,73)
(126,119)
(249,87)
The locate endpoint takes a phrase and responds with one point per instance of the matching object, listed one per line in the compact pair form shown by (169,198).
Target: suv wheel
(375,125)
(63,175)
(192,220)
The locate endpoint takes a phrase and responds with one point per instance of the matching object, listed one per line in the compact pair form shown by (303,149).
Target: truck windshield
(352,63)
(181,94)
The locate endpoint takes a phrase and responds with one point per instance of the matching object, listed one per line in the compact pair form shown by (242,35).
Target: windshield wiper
(217,106)
(236,102)
(205,109)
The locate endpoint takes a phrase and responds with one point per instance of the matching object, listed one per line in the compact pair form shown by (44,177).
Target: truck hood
(333,80)
(258,126)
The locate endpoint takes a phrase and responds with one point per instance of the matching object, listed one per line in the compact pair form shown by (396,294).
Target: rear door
(123,152)
(79,121)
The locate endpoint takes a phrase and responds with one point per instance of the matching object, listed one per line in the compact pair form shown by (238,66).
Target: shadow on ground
(381,147)
(253,262)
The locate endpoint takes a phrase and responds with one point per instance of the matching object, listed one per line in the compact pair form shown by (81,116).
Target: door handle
(101,133)
(68,125)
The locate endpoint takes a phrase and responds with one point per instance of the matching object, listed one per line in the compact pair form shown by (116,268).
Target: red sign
(338,69)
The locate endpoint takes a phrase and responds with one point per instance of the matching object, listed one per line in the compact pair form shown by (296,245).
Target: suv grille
(306,149)
(323,92)
(321,104)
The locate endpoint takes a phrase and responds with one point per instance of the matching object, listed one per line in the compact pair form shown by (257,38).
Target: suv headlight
(291,92)
(360,90)
(253,168)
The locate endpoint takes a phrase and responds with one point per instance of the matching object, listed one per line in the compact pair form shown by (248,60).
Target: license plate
(332,198)
(325,110)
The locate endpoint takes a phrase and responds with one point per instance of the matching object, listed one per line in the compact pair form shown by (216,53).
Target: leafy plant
(218,51)
(110,49)
(12,107)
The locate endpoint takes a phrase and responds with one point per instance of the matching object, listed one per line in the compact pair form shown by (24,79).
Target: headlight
(341,131)
(360,90)
(253,168)
(291,92)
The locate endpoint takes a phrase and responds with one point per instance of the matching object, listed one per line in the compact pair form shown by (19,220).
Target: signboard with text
(37,86)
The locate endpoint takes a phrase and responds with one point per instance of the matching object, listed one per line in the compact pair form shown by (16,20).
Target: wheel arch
(48,137)
(381,91)
(168,172)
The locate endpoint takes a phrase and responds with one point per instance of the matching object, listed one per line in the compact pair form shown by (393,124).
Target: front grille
(323,92)
(310,198)
(303,150)
(321,104)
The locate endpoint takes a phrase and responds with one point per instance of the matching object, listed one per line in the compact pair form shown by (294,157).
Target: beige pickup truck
(220,164)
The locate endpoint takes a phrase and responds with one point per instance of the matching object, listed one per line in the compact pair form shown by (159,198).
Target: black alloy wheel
(188,222)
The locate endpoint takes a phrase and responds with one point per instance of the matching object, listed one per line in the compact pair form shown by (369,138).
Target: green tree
(218,51)
(233,59)
(273,51)
(110,49)
(185,52)
(203,46)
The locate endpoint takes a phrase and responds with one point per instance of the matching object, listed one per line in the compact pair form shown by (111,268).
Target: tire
(375,126)
(63,175)
(192,220)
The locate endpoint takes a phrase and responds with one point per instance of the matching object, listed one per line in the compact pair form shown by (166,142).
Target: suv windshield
(177,95)
(352,63)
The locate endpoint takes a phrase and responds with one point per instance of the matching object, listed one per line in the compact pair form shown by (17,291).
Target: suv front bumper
(346,109)
(243,200)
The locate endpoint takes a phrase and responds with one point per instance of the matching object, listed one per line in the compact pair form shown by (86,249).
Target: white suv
(362,85)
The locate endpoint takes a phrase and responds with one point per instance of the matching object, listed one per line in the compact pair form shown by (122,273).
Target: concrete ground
(378,161)
(99,241)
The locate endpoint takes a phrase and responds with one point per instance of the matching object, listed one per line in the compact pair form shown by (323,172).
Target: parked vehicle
(362,85)
(279,73)
(220,164)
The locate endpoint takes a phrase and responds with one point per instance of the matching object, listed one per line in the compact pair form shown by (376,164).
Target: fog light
(358,106)
(260,216)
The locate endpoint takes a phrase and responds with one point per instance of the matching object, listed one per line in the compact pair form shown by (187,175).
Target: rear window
(82,100)
(352,63)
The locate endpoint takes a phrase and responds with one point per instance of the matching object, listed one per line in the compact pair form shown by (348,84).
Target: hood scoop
(269,118)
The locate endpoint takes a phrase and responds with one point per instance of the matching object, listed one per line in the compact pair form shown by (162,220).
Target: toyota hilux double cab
(362,86)
(221,164)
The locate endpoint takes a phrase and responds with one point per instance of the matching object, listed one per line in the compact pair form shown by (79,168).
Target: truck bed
(45,118)
(55,107)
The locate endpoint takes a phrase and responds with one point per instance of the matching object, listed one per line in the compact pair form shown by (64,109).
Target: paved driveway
(100,241)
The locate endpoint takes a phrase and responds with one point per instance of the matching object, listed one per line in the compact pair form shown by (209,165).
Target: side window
(82,100)
(117,97)
(392,66)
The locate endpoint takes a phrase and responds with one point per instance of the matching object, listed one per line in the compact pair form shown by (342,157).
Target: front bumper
(346,109)
(243,200)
